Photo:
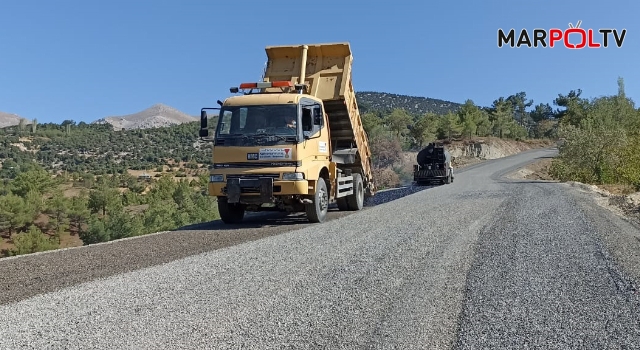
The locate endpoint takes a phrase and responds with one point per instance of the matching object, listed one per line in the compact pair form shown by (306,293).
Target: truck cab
(273,151)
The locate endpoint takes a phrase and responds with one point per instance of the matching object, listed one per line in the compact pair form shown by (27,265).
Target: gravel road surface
(481,263)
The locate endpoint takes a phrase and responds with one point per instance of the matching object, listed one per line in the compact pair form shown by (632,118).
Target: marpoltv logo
(571,38)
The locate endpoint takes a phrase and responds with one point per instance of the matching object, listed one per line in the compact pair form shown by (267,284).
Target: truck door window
(307,119)
(225,123)
(312,120)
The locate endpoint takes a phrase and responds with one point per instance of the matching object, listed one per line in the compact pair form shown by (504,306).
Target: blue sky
(85,60)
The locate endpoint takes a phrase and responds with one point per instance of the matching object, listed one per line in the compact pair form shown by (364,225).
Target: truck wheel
(448,179)
(230,213)
(317,209)
(355,201)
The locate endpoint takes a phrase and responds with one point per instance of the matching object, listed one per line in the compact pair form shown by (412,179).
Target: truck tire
(355,201)
(230,213)
(317,209)
(448,179)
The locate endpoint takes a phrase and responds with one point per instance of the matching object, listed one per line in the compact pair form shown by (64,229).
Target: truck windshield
(254,121)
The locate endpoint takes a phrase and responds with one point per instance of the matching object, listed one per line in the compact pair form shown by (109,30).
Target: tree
(424,128)
(372,124)
(96,232)
(471,119)
(449,125)
(33,241)
(37,180)
(574,107)
(79,212)
(501,114)
(105,199)
(621,92)
(519,105)
(22,124)
(15,213)
(398,121)
(542,111)
(483,124)
(58,208)
(122,225)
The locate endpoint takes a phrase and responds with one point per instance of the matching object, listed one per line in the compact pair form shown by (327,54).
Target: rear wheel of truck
(230,213)
(355,201)
(317,209)
(448,179)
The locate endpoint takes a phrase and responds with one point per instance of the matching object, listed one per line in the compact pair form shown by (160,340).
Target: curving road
(485,262)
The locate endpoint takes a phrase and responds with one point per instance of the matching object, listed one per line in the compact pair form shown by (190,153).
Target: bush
(33,241)
(385,178)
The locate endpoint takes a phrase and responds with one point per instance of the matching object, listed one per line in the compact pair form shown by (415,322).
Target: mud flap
(266,188)
(233,190)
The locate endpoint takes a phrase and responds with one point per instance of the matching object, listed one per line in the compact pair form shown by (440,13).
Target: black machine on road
(434,164)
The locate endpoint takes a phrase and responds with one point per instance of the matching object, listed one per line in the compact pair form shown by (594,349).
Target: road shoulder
(615,215)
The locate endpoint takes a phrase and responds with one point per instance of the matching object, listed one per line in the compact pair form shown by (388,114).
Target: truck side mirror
(204,131)
(203,119)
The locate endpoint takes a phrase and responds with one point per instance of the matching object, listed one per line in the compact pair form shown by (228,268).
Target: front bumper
(263,187)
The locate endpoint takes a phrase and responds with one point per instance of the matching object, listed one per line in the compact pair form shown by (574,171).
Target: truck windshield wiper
(236,135)
(280,137)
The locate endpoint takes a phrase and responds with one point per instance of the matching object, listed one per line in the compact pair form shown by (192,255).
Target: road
(485,262)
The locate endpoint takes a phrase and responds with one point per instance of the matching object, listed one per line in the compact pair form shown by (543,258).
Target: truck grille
(252,176)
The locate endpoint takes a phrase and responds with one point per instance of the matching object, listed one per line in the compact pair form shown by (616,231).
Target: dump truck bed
(328,76)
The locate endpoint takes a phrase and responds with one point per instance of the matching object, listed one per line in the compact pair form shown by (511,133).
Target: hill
(156,116)
(386,102)
(9,119)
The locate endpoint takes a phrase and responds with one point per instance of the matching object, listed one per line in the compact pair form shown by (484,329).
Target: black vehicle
(434,164)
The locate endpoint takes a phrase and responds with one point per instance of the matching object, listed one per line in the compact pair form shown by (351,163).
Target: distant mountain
(9,119)
(156,116)
(382,101)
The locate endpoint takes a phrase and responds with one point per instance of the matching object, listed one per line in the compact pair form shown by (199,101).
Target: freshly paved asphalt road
(483,263)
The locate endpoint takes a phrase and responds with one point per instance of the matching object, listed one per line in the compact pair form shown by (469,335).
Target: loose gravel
(472,264)
(542,279)
(386,196)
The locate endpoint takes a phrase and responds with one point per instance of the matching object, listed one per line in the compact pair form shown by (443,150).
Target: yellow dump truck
(293,141)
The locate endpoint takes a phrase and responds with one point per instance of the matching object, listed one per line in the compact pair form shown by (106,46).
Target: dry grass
(620,190)
(535,171)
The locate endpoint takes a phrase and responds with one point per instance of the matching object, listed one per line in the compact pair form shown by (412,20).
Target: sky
(85,60)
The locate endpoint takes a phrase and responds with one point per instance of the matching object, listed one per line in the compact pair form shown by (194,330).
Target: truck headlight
(216,178)
(293,176)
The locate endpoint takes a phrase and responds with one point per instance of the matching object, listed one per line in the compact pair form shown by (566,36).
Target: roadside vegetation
(600,140)
(396,131)
(39,212)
